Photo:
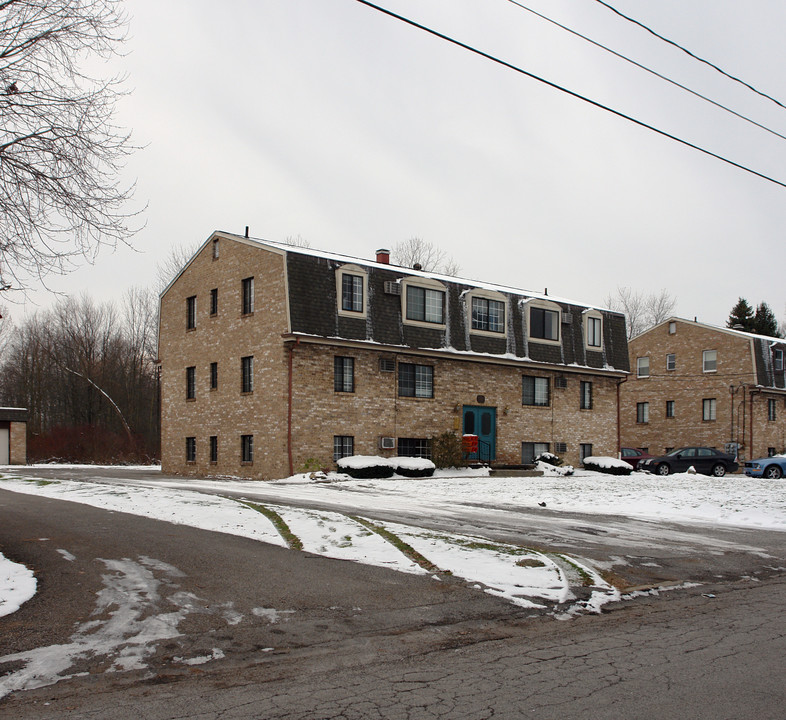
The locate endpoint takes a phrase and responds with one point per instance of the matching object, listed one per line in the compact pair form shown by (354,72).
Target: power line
(645,68)
(576,95)
(688,52)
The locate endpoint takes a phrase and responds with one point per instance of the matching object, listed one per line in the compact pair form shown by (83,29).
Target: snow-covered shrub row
(609,465)
(373,466)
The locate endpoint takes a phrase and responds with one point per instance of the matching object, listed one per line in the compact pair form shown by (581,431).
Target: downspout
(753,392)
(289,406)
(619,420)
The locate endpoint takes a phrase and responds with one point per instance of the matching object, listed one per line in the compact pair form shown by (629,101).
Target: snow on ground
(17,585)
(515,574)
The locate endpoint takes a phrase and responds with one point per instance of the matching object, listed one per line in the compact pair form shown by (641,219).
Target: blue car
(769,467)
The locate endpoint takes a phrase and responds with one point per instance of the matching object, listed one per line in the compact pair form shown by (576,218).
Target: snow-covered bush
(367,466)
(413,466)
(609,465)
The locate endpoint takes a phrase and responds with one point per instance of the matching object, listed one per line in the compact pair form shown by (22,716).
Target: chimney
(383,256)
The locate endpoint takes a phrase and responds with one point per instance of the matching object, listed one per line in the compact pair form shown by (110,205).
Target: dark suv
(708,461)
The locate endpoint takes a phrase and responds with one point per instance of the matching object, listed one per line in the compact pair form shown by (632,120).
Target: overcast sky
(329,120)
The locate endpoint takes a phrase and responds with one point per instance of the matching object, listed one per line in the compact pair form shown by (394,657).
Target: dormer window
(593,330)
(544,321)
(424,302)
(486,312)
(352,291)
(778,359)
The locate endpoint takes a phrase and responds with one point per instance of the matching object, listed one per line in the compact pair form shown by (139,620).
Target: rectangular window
(414,447)
(343,446)
(213,375)
(214,301)
(531,450)
(642,412)
(488,315)
(585,451)
(710,360)
(215,248)
(535,391)
(191,312)
(247,448)
(190,383)
(671,361)
(190,449)
(352,293)
(708,409)
(247,374)
(344,374)
(586,395)
(593,332)
(670,408)
(248,296)
(214,448)
(642,367)
(425,305)
(543,324)
(778,360)
(415,380)
(771,411)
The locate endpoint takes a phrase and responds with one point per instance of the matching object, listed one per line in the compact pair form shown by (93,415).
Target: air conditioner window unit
(387,443)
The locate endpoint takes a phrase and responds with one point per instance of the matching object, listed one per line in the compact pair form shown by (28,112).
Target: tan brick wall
(688,385)
(375,410)
(225,338)
(18,443)
(319,413)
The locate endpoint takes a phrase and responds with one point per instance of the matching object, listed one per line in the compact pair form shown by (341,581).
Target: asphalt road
(162,621)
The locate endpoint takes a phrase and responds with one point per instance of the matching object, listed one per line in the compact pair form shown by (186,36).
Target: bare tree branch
(641,311)
(60,151)
(431,258)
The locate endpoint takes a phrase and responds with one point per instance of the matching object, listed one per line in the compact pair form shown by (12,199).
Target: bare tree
(60,152)
(642,311)
(297,241)
(431,258)
(168,269)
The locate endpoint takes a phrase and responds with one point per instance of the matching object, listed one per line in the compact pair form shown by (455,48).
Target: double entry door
(481,421)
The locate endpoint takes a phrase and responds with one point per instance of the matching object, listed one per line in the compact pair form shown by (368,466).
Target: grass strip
(399,544)
(292,540)
(586,579)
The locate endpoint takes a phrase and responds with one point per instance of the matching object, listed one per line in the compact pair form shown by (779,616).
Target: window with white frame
(709,409)
(643,367)
(642,412)
(352,291)
(709,360)
(544,321)
(671,361)
(670,408)
(535,391)
(593,330)
(771,410)
(585,451)
(343,446)
(424,304)
(488,315)
(414,447)
(190,449)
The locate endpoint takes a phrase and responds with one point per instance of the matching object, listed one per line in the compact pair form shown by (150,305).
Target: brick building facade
(695,384)
(275,359)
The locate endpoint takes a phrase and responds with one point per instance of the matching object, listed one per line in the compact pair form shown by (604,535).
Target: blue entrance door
(482,421)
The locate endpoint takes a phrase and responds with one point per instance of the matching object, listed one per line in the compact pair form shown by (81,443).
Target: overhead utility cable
(645,68)
(567,91)
(688,52)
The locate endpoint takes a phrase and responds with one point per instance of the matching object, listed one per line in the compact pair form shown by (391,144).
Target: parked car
(633,456)
(708,461)
(770,467)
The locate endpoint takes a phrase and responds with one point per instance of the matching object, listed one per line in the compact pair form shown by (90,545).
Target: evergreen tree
(764,322)
(741,314)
